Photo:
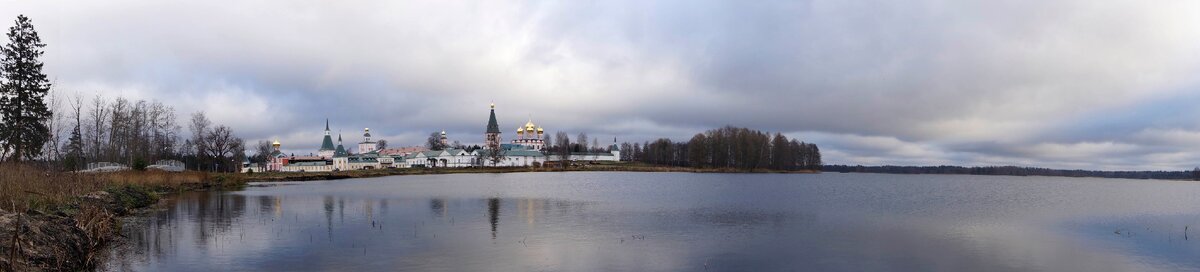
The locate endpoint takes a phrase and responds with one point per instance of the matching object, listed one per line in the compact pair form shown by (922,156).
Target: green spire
(492,126)
(327,142)
(341,150)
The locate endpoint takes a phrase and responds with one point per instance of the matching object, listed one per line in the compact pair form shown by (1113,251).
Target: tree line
(728,147)
(561,143)
(118,130)
(133,133)
(137,133)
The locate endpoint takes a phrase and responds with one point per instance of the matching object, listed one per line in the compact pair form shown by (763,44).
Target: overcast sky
(1062,84)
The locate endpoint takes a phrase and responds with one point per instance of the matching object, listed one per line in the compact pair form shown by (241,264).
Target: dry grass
(96,223)
(24,187)
(60,221)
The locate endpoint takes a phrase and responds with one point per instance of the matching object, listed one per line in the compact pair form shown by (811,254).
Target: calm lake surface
(611,221)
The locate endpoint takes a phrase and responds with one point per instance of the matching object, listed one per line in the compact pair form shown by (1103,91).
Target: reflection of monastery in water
(528,149)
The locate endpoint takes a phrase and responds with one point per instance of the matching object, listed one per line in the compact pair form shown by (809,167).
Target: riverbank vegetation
(56,220)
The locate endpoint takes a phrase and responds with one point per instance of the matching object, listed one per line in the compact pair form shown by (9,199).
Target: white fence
(164,165)
(167,165)
(104,167)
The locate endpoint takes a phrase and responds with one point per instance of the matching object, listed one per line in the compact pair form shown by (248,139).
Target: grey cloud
(916,82)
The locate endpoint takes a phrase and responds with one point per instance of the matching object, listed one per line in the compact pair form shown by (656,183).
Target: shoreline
(311,176)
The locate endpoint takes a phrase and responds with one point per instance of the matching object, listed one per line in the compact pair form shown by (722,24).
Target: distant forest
(1012,171)
(728,147)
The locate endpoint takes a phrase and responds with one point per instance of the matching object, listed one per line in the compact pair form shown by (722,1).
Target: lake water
(611,221)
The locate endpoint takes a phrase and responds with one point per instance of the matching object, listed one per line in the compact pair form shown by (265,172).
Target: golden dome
(276,143)
(520,130)
(539,130)
(493,106)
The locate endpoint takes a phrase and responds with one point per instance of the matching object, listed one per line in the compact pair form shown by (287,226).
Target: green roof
(327,143)
(340,152)
(493,127)
(308,163)
(362,159)
(523,153)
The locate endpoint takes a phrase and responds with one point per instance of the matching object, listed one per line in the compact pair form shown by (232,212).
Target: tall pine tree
(22,93)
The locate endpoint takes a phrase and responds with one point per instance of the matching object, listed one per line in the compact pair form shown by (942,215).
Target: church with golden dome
(530,136)
(528,149)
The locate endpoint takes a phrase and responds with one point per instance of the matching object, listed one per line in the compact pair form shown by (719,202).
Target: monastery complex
(527,149)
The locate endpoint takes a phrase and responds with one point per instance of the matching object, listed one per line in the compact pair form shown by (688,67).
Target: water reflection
(438,206)
(328,217)
(493,207)
(619,221)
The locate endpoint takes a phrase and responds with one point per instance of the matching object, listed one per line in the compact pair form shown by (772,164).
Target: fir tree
(74,159)
(22,93)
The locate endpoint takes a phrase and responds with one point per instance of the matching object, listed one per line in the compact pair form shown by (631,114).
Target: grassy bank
(607,166)
(61,221)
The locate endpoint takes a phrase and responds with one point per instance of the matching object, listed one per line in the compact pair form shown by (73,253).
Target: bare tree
(563,149)
(74,145)
(200,143)
(582,141)
(226,150)
(162,130)
(434,142)
(118,130)
(381,144)
(699,156)
(626,152)
(97,117)
(262,151)
(53,123)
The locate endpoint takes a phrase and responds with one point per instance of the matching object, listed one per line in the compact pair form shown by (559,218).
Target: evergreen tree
(815,153)
(22,93)
(74,159)
(781,153)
